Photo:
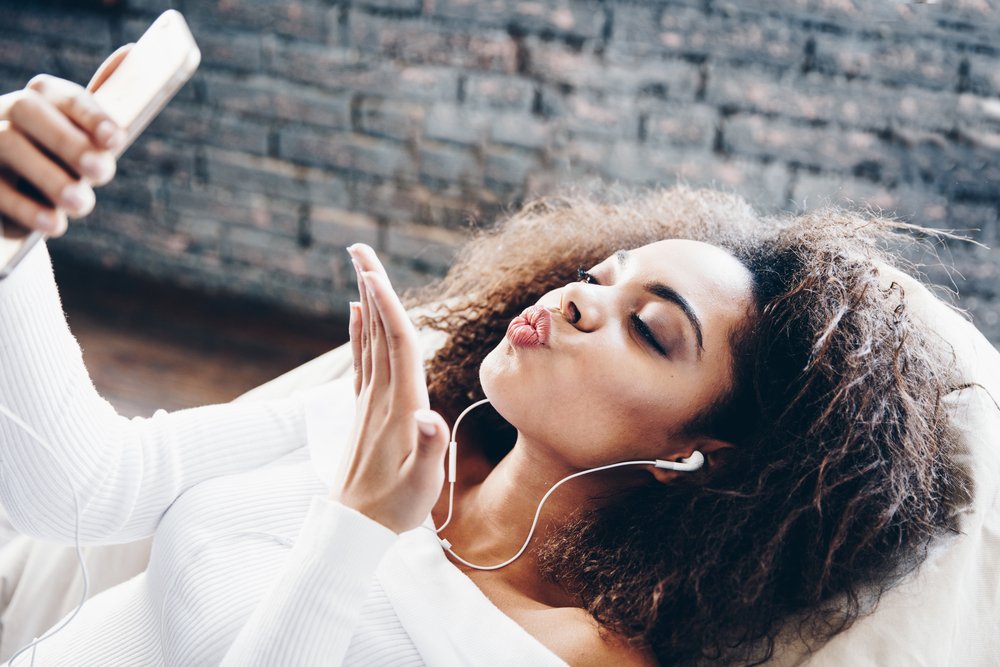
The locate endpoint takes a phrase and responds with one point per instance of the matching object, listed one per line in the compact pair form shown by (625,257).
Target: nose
(579,308)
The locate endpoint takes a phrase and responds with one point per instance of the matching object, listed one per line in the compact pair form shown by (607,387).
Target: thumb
(108,67)
(432,434)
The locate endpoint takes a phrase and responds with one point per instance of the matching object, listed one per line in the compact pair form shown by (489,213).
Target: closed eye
(638,324)
(647,333)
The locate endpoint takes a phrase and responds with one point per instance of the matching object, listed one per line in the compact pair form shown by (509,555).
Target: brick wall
(315,123)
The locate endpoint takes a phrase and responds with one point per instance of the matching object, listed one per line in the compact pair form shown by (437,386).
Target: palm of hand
(396,470)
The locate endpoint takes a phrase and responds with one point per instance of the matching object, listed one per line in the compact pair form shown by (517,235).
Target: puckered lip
(539,319)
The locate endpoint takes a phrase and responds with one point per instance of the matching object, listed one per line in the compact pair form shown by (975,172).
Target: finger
(368,259)
(82,109)
(369,323)
(51,180)
(354,330)
(362,256)
(403,352)
(47,126)
(28,213)
(108,67)
(381,370)
(366,360)
(432,436)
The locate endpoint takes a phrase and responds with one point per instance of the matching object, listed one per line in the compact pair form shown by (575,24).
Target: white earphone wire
(694,462)
(79,549)
(453,460)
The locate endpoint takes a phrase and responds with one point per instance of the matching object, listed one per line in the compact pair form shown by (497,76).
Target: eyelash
(584,276)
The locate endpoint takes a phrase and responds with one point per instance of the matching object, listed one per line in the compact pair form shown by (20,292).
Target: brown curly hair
(842,470)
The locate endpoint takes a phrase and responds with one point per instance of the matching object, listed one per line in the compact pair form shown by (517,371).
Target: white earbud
(693,462)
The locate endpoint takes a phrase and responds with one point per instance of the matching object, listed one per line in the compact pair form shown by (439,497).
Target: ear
(713,449)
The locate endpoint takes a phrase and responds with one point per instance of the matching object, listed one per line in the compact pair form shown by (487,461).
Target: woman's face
(599,391)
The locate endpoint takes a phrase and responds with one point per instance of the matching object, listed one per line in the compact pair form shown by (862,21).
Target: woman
(693,330)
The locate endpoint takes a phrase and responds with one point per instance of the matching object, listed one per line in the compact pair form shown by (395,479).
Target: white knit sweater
(251,564)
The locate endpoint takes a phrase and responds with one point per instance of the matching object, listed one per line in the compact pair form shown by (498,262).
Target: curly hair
(842,470)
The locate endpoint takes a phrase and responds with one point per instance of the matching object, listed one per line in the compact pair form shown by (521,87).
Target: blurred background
(216,260)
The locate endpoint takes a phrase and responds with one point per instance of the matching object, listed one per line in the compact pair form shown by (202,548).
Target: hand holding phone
(54,142)
(57,139)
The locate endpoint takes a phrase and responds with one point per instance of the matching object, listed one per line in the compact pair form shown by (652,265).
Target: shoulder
(580,642)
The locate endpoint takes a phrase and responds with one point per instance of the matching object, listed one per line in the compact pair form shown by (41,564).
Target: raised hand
(396,469)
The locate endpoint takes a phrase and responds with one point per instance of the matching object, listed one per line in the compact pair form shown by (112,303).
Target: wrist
(367,509)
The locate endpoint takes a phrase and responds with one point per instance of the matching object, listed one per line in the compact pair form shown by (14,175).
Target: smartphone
(154,70)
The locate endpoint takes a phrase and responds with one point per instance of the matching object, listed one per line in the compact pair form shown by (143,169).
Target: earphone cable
(452,467)
(76,533)
(453,460)
(538,511)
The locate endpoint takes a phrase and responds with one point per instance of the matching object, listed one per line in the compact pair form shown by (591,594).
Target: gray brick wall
(315,123)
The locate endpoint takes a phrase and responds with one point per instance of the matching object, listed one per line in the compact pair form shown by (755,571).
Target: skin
(628,402)
(394,474)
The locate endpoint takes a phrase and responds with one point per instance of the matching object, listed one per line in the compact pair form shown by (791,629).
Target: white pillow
(948,612)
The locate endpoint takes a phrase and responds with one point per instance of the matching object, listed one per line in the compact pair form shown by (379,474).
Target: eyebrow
(668,293)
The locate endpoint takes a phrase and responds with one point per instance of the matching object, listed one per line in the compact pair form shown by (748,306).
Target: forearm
(125,473)
(313,606)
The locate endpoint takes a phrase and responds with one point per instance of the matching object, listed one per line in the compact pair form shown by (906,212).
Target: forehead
(716,284)
(707,264)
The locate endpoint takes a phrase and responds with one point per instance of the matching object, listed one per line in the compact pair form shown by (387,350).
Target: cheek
(624,410)
(595,410)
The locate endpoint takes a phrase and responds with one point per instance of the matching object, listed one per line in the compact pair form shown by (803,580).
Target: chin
(501,383)
(488,371)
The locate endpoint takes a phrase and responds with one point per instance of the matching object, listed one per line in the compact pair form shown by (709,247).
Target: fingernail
(110,134)
(97,166)
(358,248)
(425,422)
(47,221)
(77,197)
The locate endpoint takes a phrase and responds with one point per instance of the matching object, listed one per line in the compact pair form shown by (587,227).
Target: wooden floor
(149,346)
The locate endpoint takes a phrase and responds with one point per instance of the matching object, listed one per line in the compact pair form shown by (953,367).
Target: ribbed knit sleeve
(312,608)
(123,472)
